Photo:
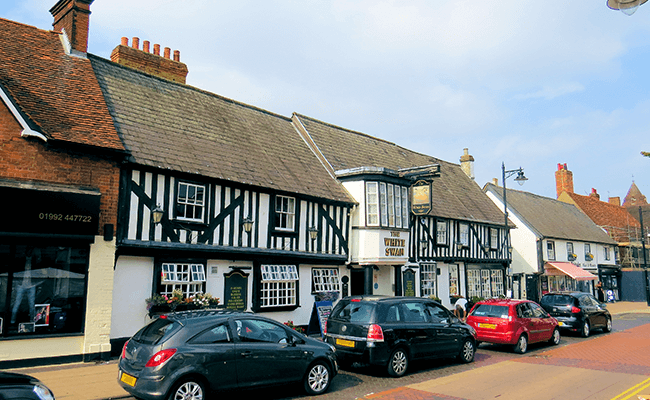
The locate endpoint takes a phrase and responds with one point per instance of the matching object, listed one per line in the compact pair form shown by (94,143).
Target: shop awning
(572,270)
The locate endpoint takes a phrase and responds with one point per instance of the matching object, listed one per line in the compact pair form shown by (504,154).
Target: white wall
(132,283)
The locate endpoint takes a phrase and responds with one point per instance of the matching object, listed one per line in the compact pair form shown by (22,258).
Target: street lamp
(520,179)
(627,7)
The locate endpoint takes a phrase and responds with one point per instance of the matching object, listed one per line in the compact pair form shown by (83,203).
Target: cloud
(550,93)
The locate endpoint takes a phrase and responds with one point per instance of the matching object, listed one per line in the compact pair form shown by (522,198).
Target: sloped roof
(56,93)
(455,195)
(173,126)
(550,218)
(615,219)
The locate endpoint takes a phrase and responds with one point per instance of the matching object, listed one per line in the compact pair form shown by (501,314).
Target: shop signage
(409,282)
(421,197)
(49,211)
(236,290)
(394,246)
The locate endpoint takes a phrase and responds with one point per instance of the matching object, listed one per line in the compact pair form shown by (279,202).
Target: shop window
(42,289)
(190,202)
(428,279)
(441,232)
(325,280)
(473,283)
(485,284)
(279,286)
(285,213)
(454,289)
(550,250)
(497,282)
(184,277)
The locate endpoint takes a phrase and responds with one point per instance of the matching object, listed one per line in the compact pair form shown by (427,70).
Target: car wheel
(318,378)
(398,363)
(555,339)
(608,325)
(466,354)
(188,389)
(522,344)
(586,329)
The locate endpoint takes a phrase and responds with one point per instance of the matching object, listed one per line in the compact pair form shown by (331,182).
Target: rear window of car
(354,311)
(558,300)
(156,331)
(492,311)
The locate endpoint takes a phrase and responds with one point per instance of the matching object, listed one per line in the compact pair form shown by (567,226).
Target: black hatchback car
(578,312)
(392,331)
(187,355)
(24,387)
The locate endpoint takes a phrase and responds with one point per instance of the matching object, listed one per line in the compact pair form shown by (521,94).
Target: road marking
(634,390)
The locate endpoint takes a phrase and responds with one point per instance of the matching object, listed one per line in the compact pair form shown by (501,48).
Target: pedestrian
(601,292)
(460,310)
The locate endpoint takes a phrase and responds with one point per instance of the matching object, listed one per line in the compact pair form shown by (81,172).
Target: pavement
(98,381)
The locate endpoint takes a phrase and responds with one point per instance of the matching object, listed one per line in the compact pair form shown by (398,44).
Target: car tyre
(522,344)
(398,363)
(188,389)
(608,325)
(467,352)
(555,338)
(586,329)
(317,379)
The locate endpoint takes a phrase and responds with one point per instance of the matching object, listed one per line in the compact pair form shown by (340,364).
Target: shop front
(565,276)
(45,263)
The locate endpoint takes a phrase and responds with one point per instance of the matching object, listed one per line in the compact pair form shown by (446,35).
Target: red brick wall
(563,180)
(30,159)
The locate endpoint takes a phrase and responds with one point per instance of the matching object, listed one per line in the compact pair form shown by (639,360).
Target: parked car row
(186,355)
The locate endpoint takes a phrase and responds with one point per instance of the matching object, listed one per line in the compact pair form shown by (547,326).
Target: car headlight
(43,393)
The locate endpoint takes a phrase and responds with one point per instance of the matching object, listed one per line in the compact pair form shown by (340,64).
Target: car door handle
(246,354)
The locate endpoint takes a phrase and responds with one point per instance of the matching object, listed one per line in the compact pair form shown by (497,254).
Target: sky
(520,83)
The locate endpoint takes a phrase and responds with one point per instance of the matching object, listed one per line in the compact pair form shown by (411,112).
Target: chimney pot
(495,181)
(563,180)
(615,201)
(125,41)
(177,55)
(135,43)
(167,52)
(145,46)
(156,49)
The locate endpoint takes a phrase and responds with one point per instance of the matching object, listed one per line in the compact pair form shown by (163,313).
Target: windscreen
(486,310)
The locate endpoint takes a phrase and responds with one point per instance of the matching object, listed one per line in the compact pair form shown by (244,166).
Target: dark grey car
(23,387)
(189,354)
(577,311)
(392,331)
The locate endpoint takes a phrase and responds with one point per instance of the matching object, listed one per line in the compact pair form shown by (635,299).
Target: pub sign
(421,197)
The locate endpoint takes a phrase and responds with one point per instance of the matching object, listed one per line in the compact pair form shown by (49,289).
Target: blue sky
(528,83)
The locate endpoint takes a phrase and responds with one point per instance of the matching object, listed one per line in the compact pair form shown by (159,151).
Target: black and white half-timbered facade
(441,236)
(218,197)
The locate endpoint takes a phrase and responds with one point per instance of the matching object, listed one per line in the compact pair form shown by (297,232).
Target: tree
(646,153)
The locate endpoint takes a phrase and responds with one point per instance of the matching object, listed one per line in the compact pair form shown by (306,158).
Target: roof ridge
(190,87)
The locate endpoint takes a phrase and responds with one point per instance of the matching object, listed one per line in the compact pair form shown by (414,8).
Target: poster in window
(26,327)
(41,314)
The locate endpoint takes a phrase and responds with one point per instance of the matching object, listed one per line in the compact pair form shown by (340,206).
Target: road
(603,366)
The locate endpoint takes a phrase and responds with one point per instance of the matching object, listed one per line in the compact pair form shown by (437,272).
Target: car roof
(199,315)
(503,302)
(567,293)
(384,298)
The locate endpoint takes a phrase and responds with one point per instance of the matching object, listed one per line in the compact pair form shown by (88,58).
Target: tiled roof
(551,218)
(615,219)
(455,195)
(56,93)
(173,126)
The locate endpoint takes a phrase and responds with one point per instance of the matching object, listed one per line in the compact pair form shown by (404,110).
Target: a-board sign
(320,312)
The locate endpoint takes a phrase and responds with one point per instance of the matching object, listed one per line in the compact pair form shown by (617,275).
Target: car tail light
(325,329)
(375,333)
(575,310)
(160,358)
(124,350)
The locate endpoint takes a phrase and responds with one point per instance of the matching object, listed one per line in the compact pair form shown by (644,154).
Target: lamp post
(645,257)
(627,7)
(520,179)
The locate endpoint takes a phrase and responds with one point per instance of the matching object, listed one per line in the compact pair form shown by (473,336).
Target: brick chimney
(563,180)
(615,201)
(73,17)
(153,64)
(594,194)
(467,163)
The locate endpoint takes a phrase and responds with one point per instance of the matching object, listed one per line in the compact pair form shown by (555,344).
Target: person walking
(601,292)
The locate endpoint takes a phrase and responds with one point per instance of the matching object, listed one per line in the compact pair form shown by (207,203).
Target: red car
(514,322)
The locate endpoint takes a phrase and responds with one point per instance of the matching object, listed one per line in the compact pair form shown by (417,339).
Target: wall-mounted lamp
(313,233)
(157,214)
(486,247)
(247,223)
(424,243)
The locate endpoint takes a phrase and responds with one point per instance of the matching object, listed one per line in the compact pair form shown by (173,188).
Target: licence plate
(345,343)
(561,323)
(128,379)
(487,326)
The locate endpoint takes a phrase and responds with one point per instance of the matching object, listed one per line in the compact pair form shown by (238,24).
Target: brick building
(59,181)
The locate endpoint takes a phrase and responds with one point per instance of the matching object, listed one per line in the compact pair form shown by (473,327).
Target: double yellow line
(634,390)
